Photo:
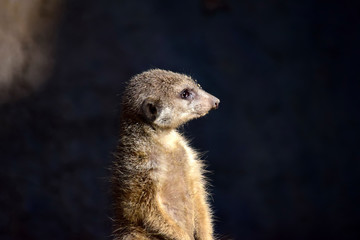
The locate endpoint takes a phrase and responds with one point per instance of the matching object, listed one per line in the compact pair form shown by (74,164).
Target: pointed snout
(208,101)
(215,102)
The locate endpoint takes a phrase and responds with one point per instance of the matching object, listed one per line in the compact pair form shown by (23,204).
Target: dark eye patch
(185,94)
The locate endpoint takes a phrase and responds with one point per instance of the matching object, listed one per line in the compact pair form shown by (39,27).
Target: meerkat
(158,181)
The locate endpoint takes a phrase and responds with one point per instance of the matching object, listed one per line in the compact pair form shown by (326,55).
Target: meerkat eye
(185,94)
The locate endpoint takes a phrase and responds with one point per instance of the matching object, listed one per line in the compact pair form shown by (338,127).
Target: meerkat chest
(176,191)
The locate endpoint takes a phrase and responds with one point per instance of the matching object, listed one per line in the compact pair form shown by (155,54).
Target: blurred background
(282,149)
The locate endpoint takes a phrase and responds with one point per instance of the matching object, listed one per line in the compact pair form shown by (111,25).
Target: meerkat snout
(216,102)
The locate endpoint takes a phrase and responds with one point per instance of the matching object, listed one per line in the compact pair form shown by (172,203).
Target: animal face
(175,101)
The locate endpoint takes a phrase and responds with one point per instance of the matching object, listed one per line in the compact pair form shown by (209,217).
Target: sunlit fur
(158,185)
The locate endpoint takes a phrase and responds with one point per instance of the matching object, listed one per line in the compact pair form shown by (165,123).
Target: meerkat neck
(130,126)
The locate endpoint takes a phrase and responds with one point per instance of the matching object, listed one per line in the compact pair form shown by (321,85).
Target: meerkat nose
(216,103)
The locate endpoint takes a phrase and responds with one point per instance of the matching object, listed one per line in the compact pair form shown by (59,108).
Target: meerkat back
(158,187)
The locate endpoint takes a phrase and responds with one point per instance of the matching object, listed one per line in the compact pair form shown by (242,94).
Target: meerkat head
(166,99)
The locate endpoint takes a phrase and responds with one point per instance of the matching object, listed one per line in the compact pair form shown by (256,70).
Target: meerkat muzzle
(216,103)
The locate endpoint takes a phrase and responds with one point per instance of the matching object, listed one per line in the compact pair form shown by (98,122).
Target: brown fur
(158,185)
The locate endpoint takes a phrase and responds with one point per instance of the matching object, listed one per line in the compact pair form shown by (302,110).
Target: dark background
(283,147)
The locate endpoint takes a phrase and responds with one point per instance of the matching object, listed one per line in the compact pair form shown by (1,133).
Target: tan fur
(158,185)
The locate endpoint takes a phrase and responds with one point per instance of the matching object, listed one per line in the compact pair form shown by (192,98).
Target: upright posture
(158,185)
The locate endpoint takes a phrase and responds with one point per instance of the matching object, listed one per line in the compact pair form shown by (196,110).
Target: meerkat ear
(150,109)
